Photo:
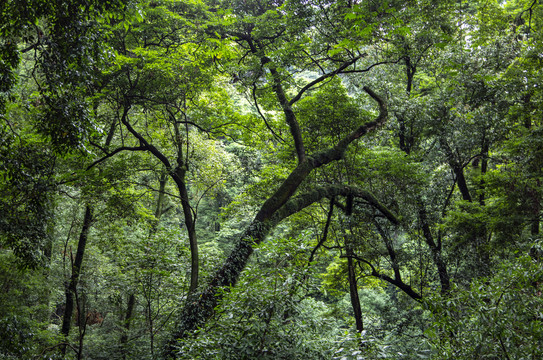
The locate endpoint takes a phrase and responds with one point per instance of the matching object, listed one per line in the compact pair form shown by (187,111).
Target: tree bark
(458,169)
(199,307)
(178,174)
(324,235)
(398,282)
(391,251)
(484,168)
(435,249)
(190,223)
(71,286)
(179,177)
(351,273)
(353,286)
(127,321)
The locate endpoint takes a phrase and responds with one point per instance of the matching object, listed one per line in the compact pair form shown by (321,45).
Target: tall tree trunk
(353,286)
(160,198)
(536,208)
(190,223)
(484,168)
(461,181)
(458,169)
(127,321)
(71,286)
(405,136)
(435,249)
(179,175)
(351,274)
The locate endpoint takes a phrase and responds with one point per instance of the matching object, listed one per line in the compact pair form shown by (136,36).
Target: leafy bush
(496,318)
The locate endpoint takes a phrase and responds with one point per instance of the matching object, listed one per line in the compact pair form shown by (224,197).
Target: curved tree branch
(337,152)
(302,201)
(291,183)
(290,117)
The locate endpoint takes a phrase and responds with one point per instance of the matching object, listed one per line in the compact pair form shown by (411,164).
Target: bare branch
(354,71)
(322,78)
(124,148)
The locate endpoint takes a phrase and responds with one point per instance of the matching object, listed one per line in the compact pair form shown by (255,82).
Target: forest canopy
(271,179)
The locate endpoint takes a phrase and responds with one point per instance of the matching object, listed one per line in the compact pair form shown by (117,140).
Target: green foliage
(153,112)
(494,318)
(26,170)
(9,59)
(24,312)
(266,315)
(329,115)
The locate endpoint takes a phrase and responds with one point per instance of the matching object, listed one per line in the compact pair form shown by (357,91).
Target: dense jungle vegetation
(271,179)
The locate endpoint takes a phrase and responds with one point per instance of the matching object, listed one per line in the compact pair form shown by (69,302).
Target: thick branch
(336,152)
(190,222)
(353,286)
(434,248)
(198,309)
(390,250)
(302,201)
(355,71)
(71,286)
(458,169)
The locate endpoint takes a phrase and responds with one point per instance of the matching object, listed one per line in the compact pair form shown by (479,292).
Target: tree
(265,46)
